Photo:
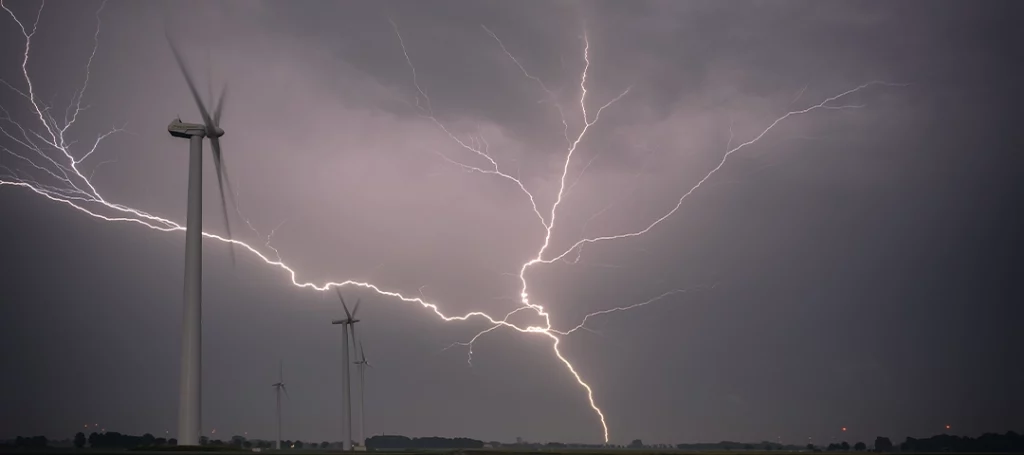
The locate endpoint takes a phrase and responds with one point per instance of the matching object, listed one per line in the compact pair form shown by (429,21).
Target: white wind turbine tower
(277,389)
(362,365)
(190,400)
(349,321)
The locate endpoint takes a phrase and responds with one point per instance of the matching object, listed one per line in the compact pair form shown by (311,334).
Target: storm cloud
(852,268)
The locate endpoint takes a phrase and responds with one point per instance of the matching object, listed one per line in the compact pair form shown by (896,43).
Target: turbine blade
(220,105)
(353,334)
(356,308)
(285,391)
(222,178)
(362,353)
(188,78)
(280,371)
(209,76)
(343,303)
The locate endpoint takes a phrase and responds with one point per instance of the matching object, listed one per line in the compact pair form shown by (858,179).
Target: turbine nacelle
(344,321)
(177,128)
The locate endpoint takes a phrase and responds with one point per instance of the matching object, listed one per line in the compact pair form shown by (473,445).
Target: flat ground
(434,452)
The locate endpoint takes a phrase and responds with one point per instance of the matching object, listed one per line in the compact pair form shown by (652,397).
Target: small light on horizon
(947,427)
(844,428)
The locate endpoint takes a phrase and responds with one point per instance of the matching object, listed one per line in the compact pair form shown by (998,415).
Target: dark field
(446,452)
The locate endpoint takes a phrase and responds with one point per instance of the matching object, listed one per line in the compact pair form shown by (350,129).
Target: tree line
(988,442)
(115,440)
(384,442)
(1009,442)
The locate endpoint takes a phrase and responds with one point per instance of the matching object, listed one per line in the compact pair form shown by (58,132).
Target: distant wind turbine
(278,388)
(362,364)
(349,321)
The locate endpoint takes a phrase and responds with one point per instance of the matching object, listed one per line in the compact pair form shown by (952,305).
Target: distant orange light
(844,428)
(947,427)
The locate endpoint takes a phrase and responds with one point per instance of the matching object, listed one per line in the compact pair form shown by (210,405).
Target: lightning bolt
(549,223)
(48,153)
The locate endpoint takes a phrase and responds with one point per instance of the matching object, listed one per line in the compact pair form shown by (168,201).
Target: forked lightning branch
(43,161)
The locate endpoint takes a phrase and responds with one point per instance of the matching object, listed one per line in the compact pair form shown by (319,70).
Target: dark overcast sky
(863,260)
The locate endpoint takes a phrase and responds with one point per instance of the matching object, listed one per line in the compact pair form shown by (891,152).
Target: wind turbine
(277,389)
(190,400)
(349,321)
(362,364)
(348,390)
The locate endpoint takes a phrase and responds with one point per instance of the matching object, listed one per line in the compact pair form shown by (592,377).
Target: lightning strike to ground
(46,150)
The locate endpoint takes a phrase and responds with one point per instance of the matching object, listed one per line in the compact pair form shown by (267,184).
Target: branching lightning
(48,153)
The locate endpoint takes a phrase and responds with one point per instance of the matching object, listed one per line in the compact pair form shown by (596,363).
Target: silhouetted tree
(845,446)
(860,446)
(298,444)
(324,445)
(79,440)
(883,444)
(636,444)
(810,446)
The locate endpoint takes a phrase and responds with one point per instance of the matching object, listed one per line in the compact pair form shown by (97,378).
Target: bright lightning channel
(49,152)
